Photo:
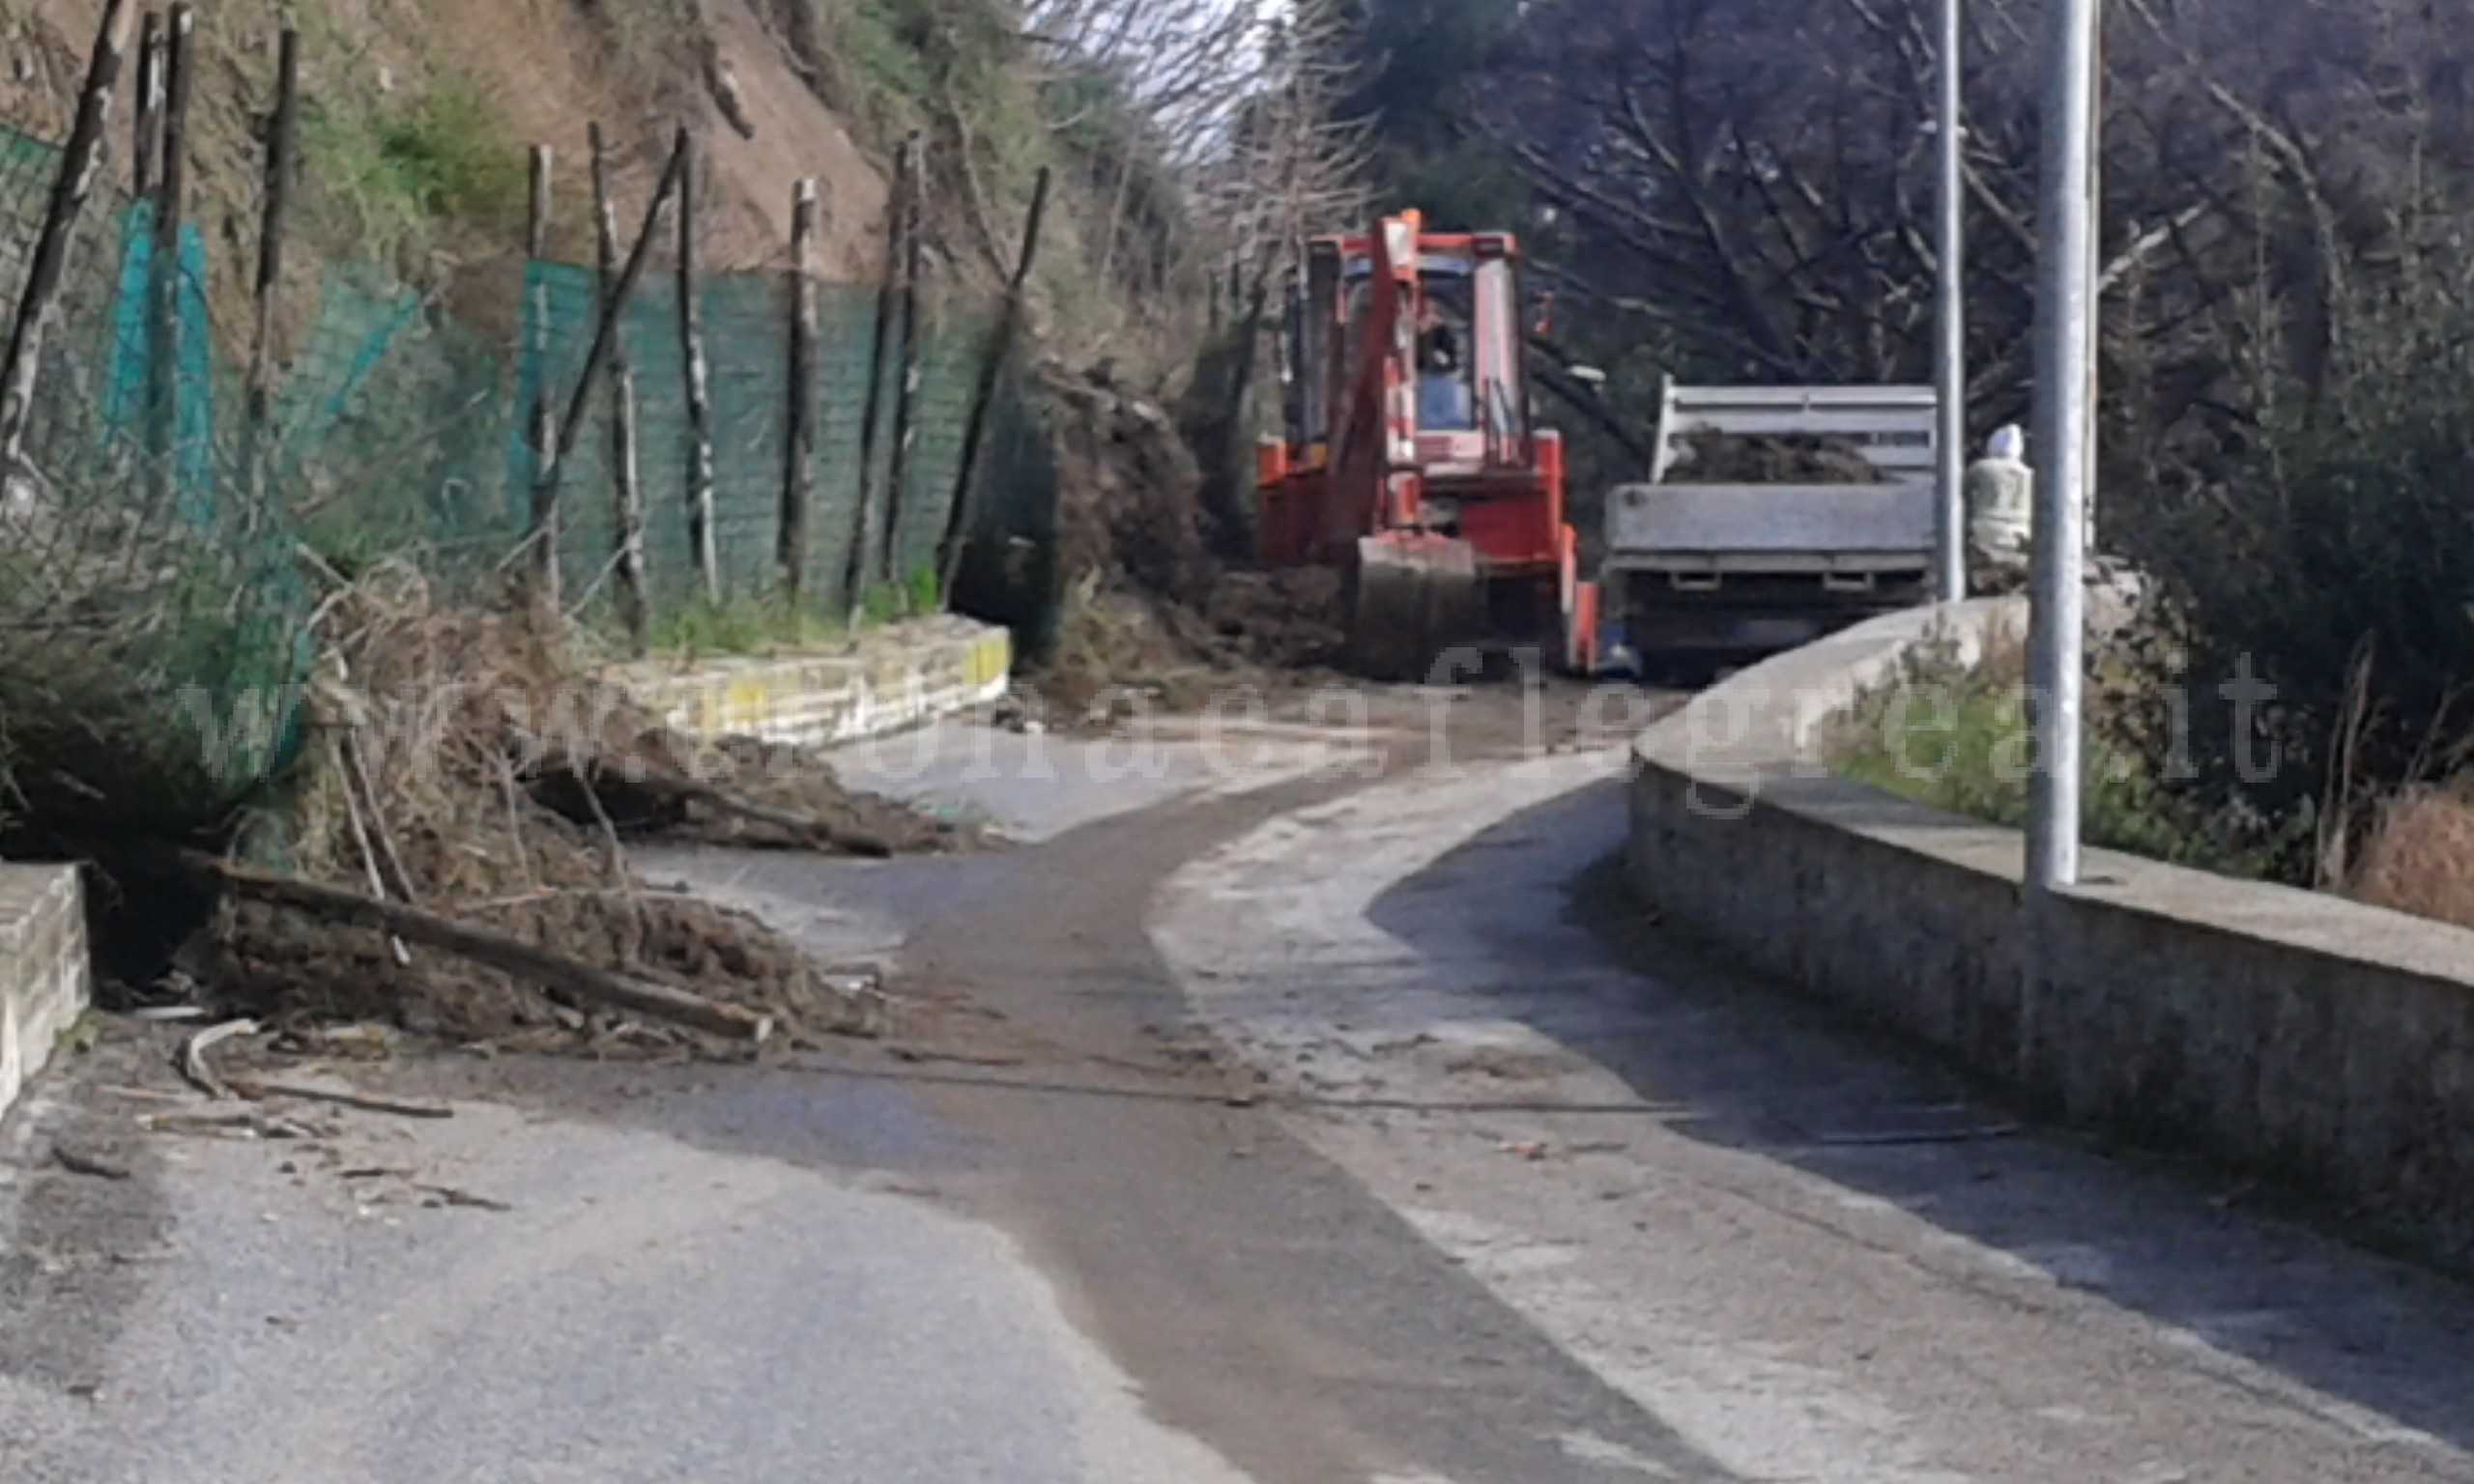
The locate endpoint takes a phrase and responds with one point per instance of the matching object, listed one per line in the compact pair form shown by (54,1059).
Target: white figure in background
(2000,491)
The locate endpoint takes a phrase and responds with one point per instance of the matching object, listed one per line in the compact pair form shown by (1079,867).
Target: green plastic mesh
(744,321)
(153,613)
(399,429)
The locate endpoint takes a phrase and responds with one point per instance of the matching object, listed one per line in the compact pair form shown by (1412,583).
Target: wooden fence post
(635,611)
(855,568)
(959,513)
(147,125)
(605,334)
(541,529)
(700,410)
(70,188)
(797,476)
(271,229)
(164,342)
(905,431)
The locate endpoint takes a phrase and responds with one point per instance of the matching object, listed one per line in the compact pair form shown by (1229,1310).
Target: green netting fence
(160,547)
(745,321)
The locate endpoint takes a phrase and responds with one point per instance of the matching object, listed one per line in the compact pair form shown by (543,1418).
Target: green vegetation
(949,68)
(956,74)
(393,179)
(756,626)
(2332,563)
(740,626)
(446,154)
(1422,67)
(879,69)
(1955,738)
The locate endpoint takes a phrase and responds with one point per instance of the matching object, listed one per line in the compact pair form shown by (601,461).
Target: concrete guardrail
(44,977)
(2310,1039)
(899,678)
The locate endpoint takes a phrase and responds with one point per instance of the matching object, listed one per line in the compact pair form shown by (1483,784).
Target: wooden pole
(634,608)
(171,198)
(958,514)
(605,334)
(905,397)
(542,531)
(796,478)
(700,410)
(148,125)
(70,188)
(854,572)
(271,230)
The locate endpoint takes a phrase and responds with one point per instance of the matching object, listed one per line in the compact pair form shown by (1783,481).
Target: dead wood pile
(460,820)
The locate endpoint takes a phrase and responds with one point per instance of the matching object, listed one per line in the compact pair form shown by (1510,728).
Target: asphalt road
(1814,1257)
(1256,1123)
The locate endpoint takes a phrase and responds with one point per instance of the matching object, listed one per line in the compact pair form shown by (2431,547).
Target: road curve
(1814,1259)
(1466,1191)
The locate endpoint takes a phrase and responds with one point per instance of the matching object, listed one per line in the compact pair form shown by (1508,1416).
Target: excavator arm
(1413,593)
(1375,444)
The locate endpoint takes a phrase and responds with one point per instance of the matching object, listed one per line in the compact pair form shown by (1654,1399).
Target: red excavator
(1410,461)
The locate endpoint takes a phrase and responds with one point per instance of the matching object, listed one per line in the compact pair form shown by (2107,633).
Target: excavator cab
(1409,459)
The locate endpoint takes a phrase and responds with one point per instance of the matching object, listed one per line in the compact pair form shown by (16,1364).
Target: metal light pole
(2064,452)
(1950,359)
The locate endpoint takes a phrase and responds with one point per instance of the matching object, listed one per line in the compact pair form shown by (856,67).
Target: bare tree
(1233,104)
(1737,185)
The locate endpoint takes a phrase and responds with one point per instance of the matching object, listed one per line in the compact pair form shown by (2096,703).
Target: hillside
(421,112)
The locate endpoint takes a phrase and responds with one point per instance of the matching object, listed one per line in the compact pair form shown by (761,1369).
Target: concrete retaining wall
(44,980)
(897,677)
(2284,1032)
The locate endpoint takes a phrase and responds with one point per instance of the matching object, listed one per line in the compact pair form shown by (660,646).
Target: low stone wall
(2296,1035)
(44,979)
(894,678)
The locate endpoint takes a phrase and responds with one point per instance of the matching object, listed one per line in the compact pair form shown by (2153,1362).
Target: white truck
(1698,574)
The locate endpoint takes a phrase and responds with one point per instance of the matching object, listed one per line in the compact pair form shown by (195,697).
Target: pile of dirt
(1150,609)
(1125,651)
(1129,489)
(1291,620)
(1712,457)
(461,767)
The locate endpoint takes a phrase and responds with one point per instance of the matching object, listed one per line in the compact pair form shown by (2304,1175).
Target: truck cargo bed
(1820,526)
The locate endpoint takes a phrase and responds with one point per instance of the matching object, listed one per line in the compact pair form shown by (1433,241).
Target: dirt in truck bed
(1779,458)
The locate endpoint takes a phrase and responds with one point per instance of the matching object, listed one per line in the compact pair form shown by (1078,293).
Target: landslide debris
(460,765)
(1149,608)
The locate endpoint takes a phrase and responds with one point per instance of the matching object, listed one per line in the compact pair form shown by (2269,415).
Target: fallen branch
(455,1197)
(79,1162)
(370,852)
(245,1122)
(509,955)
(961,1058)
(361,1102)
(674,788)
(192,1063)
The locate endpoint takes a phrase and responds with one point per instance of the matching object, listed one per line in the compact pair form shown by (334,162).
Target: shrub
(2334,561)
(1956,738)
(446,154)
